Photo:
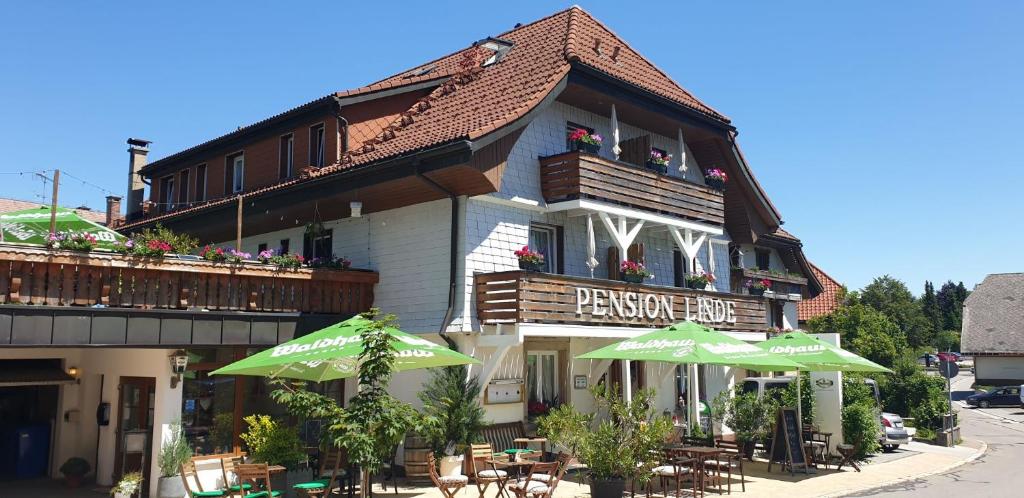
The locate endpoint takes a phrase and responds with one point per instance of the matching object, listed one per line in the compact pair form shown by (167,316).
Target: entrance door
(134,427)
(542,382)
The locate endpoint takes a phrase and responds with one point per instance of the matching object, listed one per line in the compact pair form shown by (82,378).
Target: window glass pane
(542,240)
(207,414)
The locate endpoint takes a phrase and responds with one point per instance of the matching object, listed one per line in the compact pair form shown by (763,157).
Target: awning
(34,376)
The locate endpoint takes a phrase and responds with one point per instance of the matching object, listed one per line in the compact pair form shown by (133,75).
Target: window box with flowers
(283,261)
(716,178)
(72,241)
(634,272)
(757,287)
(658,161)
(530,260)
(332,262)
(699,280)
(584,141)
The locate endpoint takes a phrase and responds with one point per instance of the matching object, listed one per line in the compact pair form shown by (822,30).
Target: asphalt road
(996,474)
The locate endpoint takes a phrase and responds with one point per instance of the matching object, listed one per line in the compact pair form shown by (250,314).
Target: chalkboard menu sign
(787,443)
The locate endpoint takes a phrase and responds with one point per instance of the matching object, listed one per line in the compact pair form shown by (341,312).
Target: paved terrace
(915,461)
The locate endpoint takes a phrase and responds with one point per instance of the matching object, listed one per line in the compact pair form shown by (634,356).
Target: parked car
(997,396)
(928,360)
(894,433)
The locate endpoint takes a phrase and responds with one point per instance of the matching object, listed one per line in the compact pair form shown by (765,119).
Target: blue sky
(885,132)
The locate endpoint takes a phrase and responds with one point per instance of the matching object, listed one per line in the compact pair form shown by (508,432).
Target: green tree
(451,408)
(930,307)
(950,299)
(948,340)
(892,297)
(865,331)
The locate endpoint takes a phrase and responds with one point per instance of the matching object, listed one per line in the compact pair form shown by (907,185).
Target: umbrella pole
(799,406)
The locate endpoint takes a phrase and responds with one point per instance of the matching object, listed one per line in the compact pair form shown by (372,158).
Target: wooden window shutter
(635,252)
(679,268)
(560,250)
(613,263)
(636,150)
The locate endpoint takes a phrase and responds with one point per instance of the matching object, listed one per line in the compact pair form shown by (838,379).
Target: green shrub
(75,466)
(746,414)
(174,452)
(451,408)
(911,392)
(861,425)
(273,443)
(807,397)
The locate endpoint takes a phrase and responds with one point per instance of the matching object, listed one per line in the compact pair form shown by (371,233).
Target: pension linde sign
(642,306)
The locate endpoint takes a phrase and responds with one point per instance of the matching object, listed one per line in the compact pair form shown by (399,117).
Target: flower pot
(696,285)
(715,183)
(586,147)
(170,487)
(530,266)
(653,166)
(451,466)
(607,488)
(748,450)
(633,278)
(756,292)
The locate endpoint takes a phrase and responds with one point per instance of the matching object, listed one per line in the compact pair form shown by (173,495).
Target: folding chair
(448,485)
(258,476)
(477,455)
(188,470)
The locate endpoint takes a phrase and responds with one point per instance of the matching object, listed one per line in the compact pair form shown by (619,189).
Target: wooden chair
(674,467)
(731,458)
(333,471)
(258,476)
(448,485)
(392,471)
(563,460)
(231,483)
(847,455)
(477,456)
(188,470)
(536,487)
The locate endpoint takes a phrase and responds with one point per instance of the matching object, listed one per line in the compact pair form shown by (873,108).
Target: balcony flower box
(658,162)
(716,179)
(530,260)
(699,280)
(757,287)
(634,272)
(584,141)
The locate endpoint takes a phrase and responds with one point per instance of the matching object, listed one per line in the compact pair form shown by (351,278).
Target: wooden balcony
(532,297)
(35,276)
(578,175)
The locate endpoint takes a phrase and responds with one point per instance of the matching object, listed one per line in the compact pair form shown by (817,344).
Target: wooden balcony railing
(578,175)
(63,278)
(533,297)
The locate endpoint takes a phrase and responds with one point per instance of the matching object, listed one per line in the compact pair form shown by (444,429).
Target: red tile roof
(823,303)
(8,205)
(472,101)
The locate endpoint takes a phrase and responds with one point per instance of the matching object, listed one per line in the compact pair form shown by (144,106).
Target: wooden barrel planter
(416,450)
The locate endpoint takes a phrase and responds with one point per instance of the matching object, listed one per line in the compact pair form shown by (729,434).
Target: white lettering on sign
(646,306)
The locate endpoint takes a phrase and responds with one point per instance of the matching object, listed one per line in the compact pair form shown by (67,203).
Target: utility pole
(53,201)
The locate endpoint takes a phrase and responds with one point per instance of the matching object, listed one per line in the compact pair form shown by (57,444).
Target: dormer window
(498,48)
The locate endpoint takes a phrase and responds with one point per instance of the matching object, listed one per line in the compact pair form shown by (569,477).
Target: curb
(977,454)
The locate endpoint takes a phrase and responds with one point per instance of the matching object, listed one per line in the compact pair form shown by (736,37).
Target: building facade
(993,329)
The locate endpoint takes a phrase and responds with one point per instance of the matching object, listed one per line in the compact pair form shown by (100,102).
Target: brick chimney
(113,210)
(137,151)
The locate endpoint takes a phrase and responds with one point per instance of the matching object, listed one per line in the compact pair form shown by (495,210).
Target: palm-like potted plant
(452,415)
(747,415)
(584,141)
(173,453)
(530,260)
(619,445)
(658,161)
(757,287)
(74,469)
(634,271)
(699,280)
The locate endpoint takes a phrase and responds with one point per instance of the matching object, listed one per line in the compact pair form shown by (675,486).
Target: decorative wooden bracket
(621,234)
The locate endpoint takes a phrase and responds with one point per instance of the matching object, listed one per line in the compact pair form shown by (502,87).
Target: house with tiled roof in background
(436,176)
(993,329)
(8,205)
(827,301)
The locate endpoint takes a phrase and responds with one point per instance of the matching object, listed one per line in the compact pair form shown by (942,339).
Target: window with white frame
(544,239)
(167,191)
(287,153)
(316,145)
(237,164)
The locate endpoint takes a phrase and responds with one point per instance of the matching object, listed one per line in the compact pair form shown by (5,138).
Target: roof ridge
(569,49)
(648,62)
(823,272)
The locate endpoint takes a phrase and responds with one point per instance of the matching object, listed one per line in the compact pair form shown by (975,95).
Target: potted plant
(291,261)
(74,469)
(584,141)
(623,442)
(634,272)
(699,280)
(658,161)
(156,243)
(268,441)
(174,452)
(757,287)
(748,416)
(452,415)
(530,260)
(72,241)
(128,487)
(716,178)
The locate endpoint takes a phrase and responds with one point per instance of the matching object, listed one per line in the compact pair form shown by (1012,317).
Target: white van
(772,386)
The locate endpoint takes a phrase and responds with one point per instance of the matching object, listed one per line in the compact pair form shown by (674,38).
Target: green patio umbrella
(333,353)
(32,227)
(689,342)
(817,355)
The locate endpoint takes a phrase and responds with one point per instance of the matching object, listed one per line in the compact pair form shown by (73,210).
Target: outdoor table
(525,442)
(847,452)
(509,466)
(826,438)
(703,454)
